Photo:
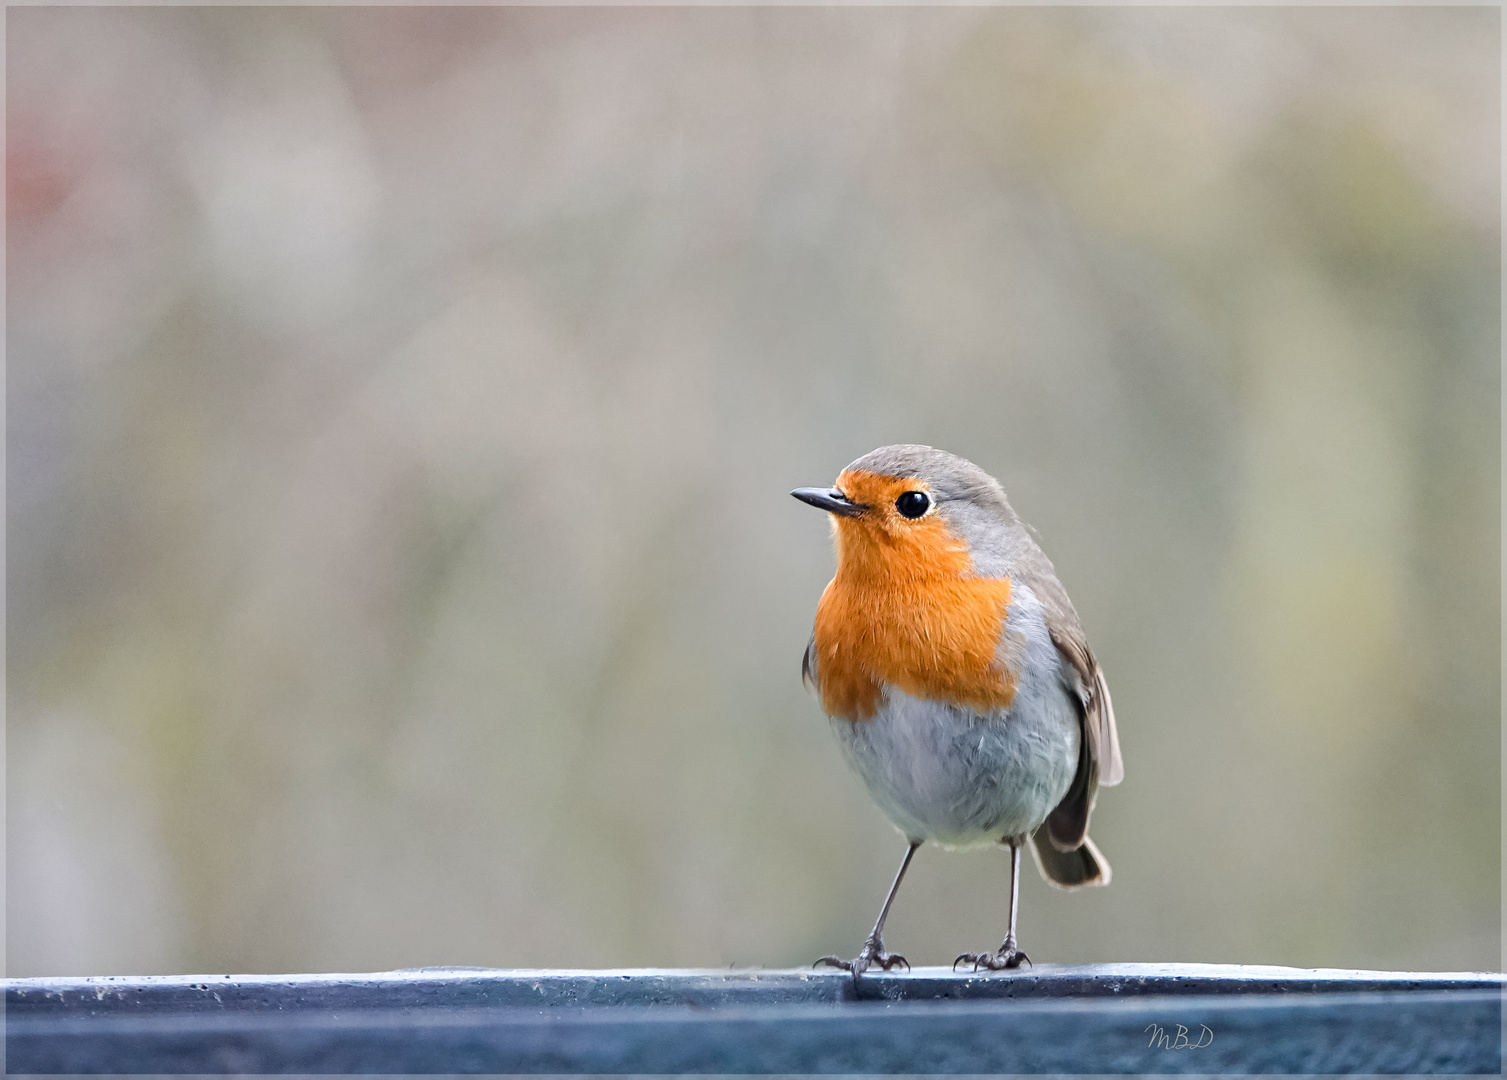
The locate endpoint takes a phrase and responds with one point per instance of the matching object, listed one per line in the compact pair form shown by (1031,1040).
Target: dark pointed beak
(830,500)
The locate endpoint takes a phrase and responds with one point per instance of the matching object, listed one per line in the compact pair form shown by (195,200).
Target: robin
(957,678)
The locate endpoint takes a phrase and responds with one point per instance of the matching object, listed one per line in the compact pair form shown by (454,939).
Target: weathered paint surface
(1121,1018)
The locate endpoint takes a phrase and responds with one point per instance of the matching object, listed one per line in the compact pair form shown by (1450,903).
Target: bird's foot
(1008,958)
(873,955)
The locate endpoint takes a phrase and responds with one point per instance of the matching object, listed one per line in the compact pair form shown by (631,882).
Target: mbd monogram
(1179,1041)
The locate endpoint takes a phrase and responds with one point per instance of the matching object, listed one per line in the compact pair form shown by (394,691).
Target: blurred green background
(402,406)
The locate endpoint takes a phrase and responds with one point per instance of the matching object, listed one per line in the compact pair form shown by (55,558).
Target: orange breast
(900,611)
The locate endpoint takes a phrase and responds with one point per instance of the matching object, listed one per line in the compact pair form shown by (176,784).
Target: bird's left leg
(1009,955)
(873,953)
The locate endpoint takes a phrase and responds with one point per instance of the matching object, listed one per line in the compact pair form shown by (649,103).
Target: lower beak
(830,500)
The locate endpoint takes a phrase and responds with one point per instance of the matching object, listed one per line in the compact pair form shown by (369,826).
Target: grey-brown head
(908,481)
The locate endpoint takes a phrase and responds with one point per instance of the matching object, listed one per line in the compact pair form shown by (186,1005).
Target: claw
(1007,959)
(889,960)
(970,957)
(873,955)
(1014,959)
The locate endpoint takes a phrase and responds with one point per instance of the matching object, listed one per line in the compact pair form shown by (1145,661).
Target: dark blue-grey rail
(1115,1018)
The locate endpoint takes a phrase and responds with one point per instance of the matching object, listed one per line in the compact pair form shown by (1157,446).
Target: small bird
(956,677)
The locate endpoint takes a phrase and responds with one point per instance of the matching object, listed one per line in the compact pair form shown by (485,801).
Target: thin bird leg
(1009,955)
(1009,943)
(873,949)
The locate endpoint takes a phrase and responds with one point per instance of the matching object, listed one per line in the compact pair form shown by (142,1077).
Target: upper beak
(830,500)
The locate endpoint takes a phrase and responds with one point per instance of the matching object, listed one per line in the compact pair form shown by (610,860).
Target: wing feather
(1099,760)
(808,669)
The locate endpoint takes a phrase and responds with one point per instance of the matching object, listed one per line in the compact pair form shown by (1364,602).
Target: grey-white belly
(951,775)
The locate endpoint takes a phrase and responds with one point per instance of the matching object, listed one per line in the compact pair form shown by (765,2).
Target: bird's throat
(909,615)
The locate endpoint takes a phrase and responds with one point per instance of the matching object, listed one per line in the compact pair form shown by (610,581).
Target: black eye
(912,504)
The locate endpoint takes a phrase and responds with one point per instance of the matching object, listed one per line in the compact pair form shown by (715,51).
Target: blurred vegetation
(402,405)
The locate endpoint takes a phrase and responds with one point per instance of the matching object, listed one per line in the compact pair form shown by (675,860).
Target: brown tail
(1083,865)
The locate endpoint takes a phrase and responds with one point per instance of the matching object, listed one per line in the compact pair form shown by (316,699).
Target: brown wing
(808,669)
(1098,710)
(1099,748)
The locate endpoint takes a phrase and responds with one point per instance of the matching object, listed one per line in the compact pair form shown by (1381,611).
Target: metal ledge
(1117,1018)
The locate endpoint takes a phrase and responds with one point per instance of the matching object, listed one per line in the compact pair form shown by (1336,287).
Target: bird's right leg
(873,953)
